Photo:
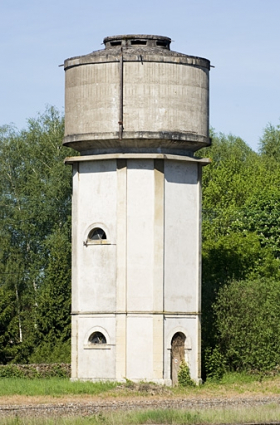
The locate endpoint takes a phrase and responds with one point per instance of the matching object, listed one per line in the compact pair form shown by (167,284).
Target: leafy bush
(214,364)
(35,371)
(184,378)
(11,371)
(248,325)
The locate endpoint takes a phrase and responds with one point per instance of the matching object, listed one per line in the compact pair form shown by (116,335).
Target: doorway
(177,355)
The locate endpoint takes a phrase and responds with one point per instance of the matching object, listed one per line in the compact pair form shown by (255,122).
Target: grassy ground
(40,391)
(54,387)
(237,384)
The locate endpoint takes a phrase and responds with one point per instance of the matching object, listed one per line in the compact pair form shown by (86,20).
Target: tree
(240,222)
(270,143)
(35,204)
(260,215)
(54,300)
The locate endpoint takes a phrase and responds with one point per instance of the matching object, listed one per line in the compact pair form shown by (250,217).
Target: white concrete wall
(94,269)
(189,326)
(182,256)
(141,286)
(96,361)
(139,347)
(96,198)
(140,235)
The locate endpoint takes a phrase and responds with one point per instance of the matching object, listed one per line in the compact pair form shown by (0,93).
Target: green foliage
(240,228)
(260,214)
(215,364)
(11,371)
(227,180)
(240,378)
(51,351)
(34,371)
(35,208)
(54,301)
(270,143)
(248,324)
(184,378)
(237,255)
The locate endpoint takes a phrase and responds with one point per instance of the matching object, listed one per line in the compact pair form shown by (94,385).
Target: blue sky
(240,37)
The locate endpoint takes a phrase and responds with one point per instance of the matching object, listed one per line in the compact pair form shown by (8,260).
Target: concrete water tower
(136,111)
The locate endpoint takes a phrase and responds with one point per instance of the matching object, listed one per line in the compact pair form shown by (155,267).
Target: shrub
(31,371)
(214,364)
(10,371)
(248,324)
(184,378)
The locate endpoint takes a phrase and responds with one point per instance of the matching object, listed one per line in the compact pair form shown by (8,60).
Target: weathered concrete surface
(160,97)
(142,284)
(136,111)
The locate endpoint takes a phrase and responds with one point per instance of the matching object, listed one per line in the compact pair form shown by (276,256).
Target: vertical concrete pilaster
(121,301)
(75,286)
(158,278)
(74,347)
(75,231)
(199,269)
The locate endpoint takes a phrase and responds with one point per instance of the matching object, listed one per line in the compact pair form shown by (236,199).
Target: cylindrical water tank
(137,95)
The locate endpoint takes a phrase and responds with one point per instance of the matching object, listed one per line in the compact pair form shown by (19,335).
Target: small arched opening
(97,338)
(97,234)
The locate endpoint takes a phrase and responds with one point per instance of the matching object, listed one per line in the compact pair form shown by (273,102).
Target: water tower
(136,112)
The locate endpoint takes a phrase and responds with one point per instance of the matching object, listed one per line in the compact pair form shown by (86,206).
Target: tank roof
(149,48)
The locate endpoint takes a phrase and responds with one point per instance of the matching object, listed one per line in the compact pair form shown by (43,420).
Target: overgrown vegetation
(184,378)
(241,249)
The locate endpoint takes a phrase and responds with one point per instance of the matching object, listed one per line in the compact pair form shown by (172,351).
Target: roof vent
(127,41)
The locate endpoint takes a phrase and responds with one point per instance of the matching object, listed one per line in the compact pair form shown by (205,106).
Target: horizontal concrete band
(136,313)
(111,58)
(153,136)
(105,157)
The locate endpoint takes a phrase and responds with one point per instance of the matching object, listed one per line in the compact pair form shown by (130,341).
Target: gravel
(87,408)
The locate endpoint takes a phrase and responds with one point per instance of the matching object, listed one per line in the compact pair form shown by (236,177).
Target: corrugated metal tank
(137,95)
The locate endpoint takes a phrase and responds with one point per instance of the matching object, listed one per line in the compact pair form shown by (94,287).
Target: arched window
(97,234)
(97,338)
